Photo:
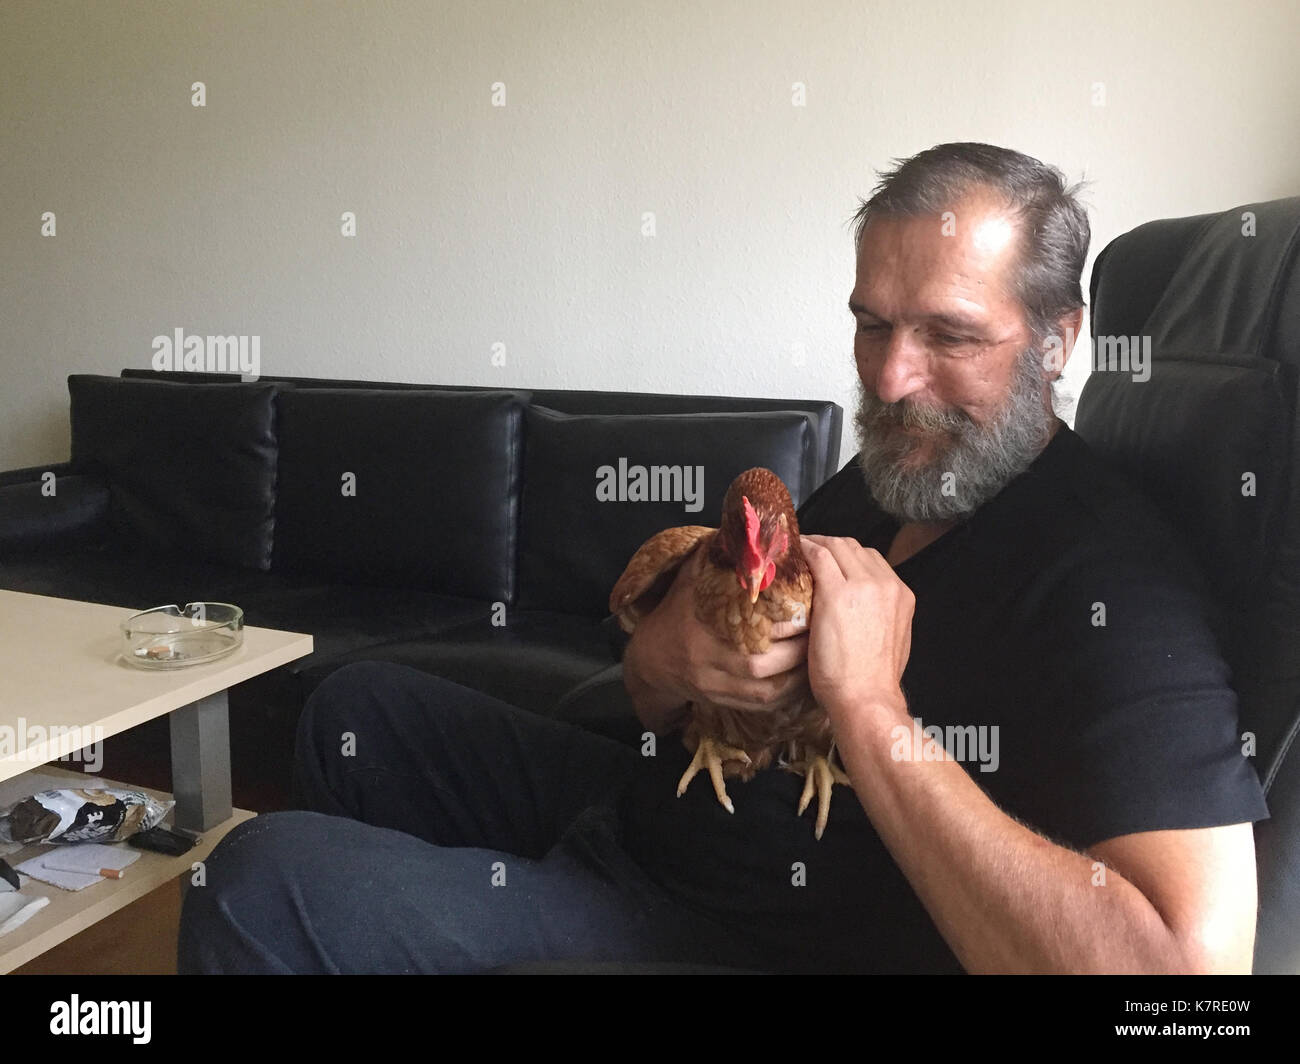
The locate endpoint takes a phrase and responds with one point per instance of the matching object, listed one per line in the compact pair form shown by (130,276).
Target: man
(977,571)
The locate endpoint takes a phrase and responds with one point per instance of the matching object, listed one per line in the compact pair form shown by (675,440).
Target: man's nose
(898,369)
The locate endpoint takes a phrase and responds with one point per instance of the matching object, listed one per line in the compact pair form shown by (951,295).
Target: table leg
(200,738)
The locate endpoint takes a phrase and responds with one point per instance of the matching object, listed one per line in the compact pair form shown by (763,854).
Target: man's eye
(949,340)
(863,327)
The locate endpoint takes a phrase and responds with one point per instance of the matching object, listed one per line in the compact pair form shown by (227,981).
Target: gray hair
(1053,224)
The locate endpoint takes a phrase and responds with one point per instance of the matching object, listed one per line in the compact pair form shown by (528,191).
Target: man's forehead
(962,256)
(978,224)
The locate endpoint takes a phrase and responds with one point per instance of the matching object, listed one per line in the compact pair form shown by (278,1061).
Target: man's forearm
(1004,898)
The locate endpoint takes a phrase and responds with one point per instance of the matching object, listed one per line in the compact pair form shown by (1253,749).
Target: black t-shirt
(1065,614)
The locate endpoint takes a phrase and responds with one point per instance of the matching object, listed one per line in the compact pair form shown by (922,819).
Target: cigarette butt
(107,873)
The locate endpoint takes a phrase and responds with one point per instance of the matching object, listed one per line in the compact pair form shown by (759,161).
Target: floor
(137,940)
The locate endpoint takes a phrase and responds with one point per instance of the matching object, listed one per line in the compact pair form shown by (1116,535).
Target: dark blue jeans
(447,832)
(451,832)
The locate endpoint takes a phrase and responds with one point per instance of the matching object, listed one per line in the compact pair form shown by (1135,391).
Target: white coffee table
(62,675)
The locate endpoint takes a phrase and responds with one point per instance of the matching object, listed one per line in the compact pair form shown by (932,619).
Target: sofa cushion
(33,519)
(432,500)
(190,467)
(350,618)
(574,542)
(530,661)
(341,618)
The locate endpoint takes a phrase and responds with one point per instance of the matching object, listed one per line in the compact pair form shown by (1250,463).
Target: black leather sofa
(454,529)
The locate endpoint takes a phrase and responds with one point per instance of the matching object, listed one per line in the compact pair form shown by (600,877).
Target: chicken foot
(820,776)
(710,754)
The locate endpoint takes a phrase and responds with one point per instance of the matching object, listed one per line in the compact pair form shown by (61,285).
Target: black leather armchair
(1210,434)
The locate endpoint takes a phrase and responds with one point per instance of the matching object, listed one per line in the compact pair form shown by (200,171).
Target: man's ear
(1058,347)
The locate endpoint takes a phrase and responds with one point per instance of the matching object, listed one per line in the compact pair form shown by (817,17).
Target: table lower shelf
(72,911)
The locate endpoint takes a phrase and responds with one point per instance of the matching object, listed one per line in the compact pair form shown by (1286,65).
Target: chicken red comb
(753,557)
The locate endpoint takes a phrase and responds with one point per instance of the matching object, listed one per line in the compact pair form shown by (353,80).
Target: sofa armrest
(76,515)
(601,705)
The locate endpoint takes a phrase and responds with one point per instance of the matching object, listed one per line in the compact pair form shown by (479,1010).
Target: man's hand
(673,659)
(860,632)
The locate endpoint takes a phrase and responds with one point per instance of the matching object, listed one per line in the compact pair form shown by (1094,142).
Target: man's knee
(305,893)
(242,909)
(331,714)
(346,688)
(376,688)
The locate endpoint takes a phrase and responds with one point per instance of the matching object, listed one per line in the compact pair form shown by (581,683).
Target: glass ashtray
(169,637)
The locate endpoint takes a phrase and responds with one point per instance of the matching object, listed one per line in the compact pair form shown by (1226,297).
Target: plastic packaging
(99,815)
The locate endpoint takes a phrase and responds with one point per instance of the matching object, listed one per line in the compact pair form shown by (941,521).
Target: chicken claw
(710,755)
(820,776)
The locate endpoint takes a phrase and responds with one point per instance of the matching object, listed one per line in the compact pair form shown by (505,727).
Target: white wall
(522,224)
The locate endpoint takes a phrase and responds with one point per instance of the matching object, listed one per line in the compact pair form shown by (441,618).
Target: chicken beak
(755,586)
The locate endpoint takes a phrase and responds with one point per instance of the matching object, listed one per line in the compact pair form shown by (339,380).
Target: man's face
(953,401)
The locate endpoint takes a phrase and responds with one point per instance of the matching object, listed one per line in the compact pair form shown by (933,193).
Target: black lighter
(161,840)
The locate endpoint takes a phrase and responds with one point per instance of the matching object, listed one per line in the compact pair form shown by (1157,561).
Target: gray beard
(983,459)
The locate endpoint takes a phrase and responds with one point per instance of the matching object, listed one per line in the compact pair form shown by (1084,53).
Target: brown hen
(753,575)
